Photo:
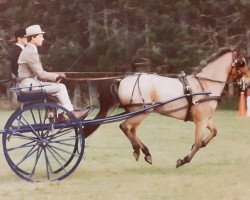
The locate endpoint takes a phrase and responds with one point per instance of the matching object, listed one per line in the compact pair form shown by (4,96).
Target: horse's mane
(214,56)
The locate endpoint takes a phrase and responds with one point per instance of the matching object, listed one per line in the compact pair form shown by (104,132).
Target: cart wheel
(38,148)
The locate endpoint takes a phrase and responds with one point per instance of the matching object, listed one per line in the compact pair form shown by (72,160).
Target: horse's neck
(218,70)
(215,74)
(215,88)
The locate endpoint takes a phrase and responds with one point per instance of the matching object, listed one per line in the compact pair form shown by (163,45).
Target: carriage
(37,147)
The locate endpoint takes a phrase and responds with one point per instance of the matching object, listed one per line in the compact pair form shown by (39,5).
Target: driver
(31,72)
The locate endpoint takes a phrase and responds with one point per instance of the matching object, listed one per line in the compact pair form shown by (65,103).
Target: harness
(137,82)
(187,92)
(237,65)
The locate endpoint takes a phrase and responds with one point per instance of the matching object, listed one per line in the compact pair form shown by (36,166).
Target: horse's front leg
(200,127)
(213,133)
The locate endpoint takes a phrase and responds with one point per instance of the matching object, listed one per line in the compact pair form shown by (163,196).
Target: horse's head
(239,66)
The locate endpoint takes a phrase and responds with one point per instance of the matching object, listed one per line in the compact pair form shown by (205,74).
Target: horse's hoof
(136,155)
(179,163)
(148,159)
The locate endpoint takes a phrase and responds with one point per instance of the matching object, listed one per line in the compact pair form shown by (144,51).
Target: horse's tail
(107,98)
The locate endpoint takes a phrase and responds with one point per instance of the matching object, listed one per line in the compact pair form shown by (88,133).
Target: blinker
(240,64)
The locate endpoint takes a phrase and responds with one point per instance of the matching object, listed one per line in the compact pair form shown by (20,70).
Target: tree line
(162,36)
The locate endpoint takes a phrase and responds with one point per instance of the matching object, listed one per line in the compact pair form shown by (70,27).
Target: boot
(60,118)
(81,114)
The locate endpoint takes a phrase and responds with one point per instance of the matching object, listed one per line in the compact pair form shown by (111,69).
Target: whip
(72,65)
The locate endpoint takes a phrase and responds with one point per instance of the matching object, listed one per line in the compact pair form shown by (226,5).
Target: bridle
(237,65)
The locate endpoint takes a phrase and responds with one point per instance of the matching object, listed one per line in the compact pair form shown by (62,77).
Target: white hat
(33,30)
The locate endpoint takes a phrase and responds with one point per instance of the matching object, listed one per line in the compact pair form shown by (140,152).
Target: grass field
(108,171)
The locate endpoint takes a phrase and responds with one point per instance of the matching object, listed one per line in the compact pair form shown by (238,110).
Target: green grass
(108,171)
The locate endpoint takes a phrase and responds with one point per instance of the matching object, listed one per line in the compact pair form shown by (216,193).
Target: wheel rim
(36,153)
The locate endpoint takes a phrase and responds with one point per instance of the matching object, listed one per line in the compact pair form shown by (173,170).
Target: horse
(137,91)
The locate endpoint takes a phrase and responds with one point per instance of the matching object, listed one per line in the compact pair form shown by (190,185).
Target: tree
(175,34)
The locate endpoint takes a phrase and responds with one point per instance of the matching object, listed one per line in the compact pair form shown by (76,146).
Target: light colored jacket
(31,73)
(29,65)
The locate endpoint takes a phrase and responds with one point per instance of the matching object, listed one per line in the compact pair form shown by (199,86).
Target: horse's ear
(235,53)
(242,51)
(239,53)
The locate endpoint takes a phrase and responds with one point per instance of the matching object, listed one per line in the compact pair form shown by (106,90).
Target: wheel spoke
(39,115)
(45,116)
(66,144)
(40,118)
(28,144)
(62,140)
(60,133)
(52,153)
(48,166)
(35,121)
(21,136)
(33,116)
(19,122)
(27,155)
(33,130)
(62,150)
(38,154)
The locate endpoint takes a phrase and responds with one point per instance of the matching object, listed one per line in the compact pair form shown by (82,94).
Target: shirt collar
(33,46)
(20,45)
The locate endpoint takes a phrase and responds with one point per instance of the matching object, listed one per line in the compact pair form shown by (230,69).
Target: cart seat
(31,94)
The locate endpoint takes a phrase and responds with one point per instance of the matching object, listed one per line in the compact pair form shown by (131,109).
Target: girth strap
(188,92)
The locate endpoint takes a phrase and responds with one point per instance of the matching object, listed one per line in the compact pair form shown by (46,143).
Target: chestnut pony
(140,90)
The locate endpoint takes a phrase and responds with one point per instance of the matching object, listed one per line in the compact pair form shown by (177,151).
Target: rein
(93,79)
(8,80)
(120,77)
(216,98)
(212,80)
(210,98)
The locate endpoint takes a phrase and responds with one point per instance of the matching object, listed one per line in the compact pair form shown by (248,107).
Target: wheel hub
(43,143)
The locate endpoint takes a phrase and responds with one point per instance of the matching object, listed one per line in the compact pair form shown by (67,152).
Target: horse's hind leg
(145,150)
(129,128)
(128,131)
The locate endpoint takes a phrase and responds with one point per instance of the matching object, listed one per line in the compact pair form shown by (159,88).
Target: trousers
(55,90)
